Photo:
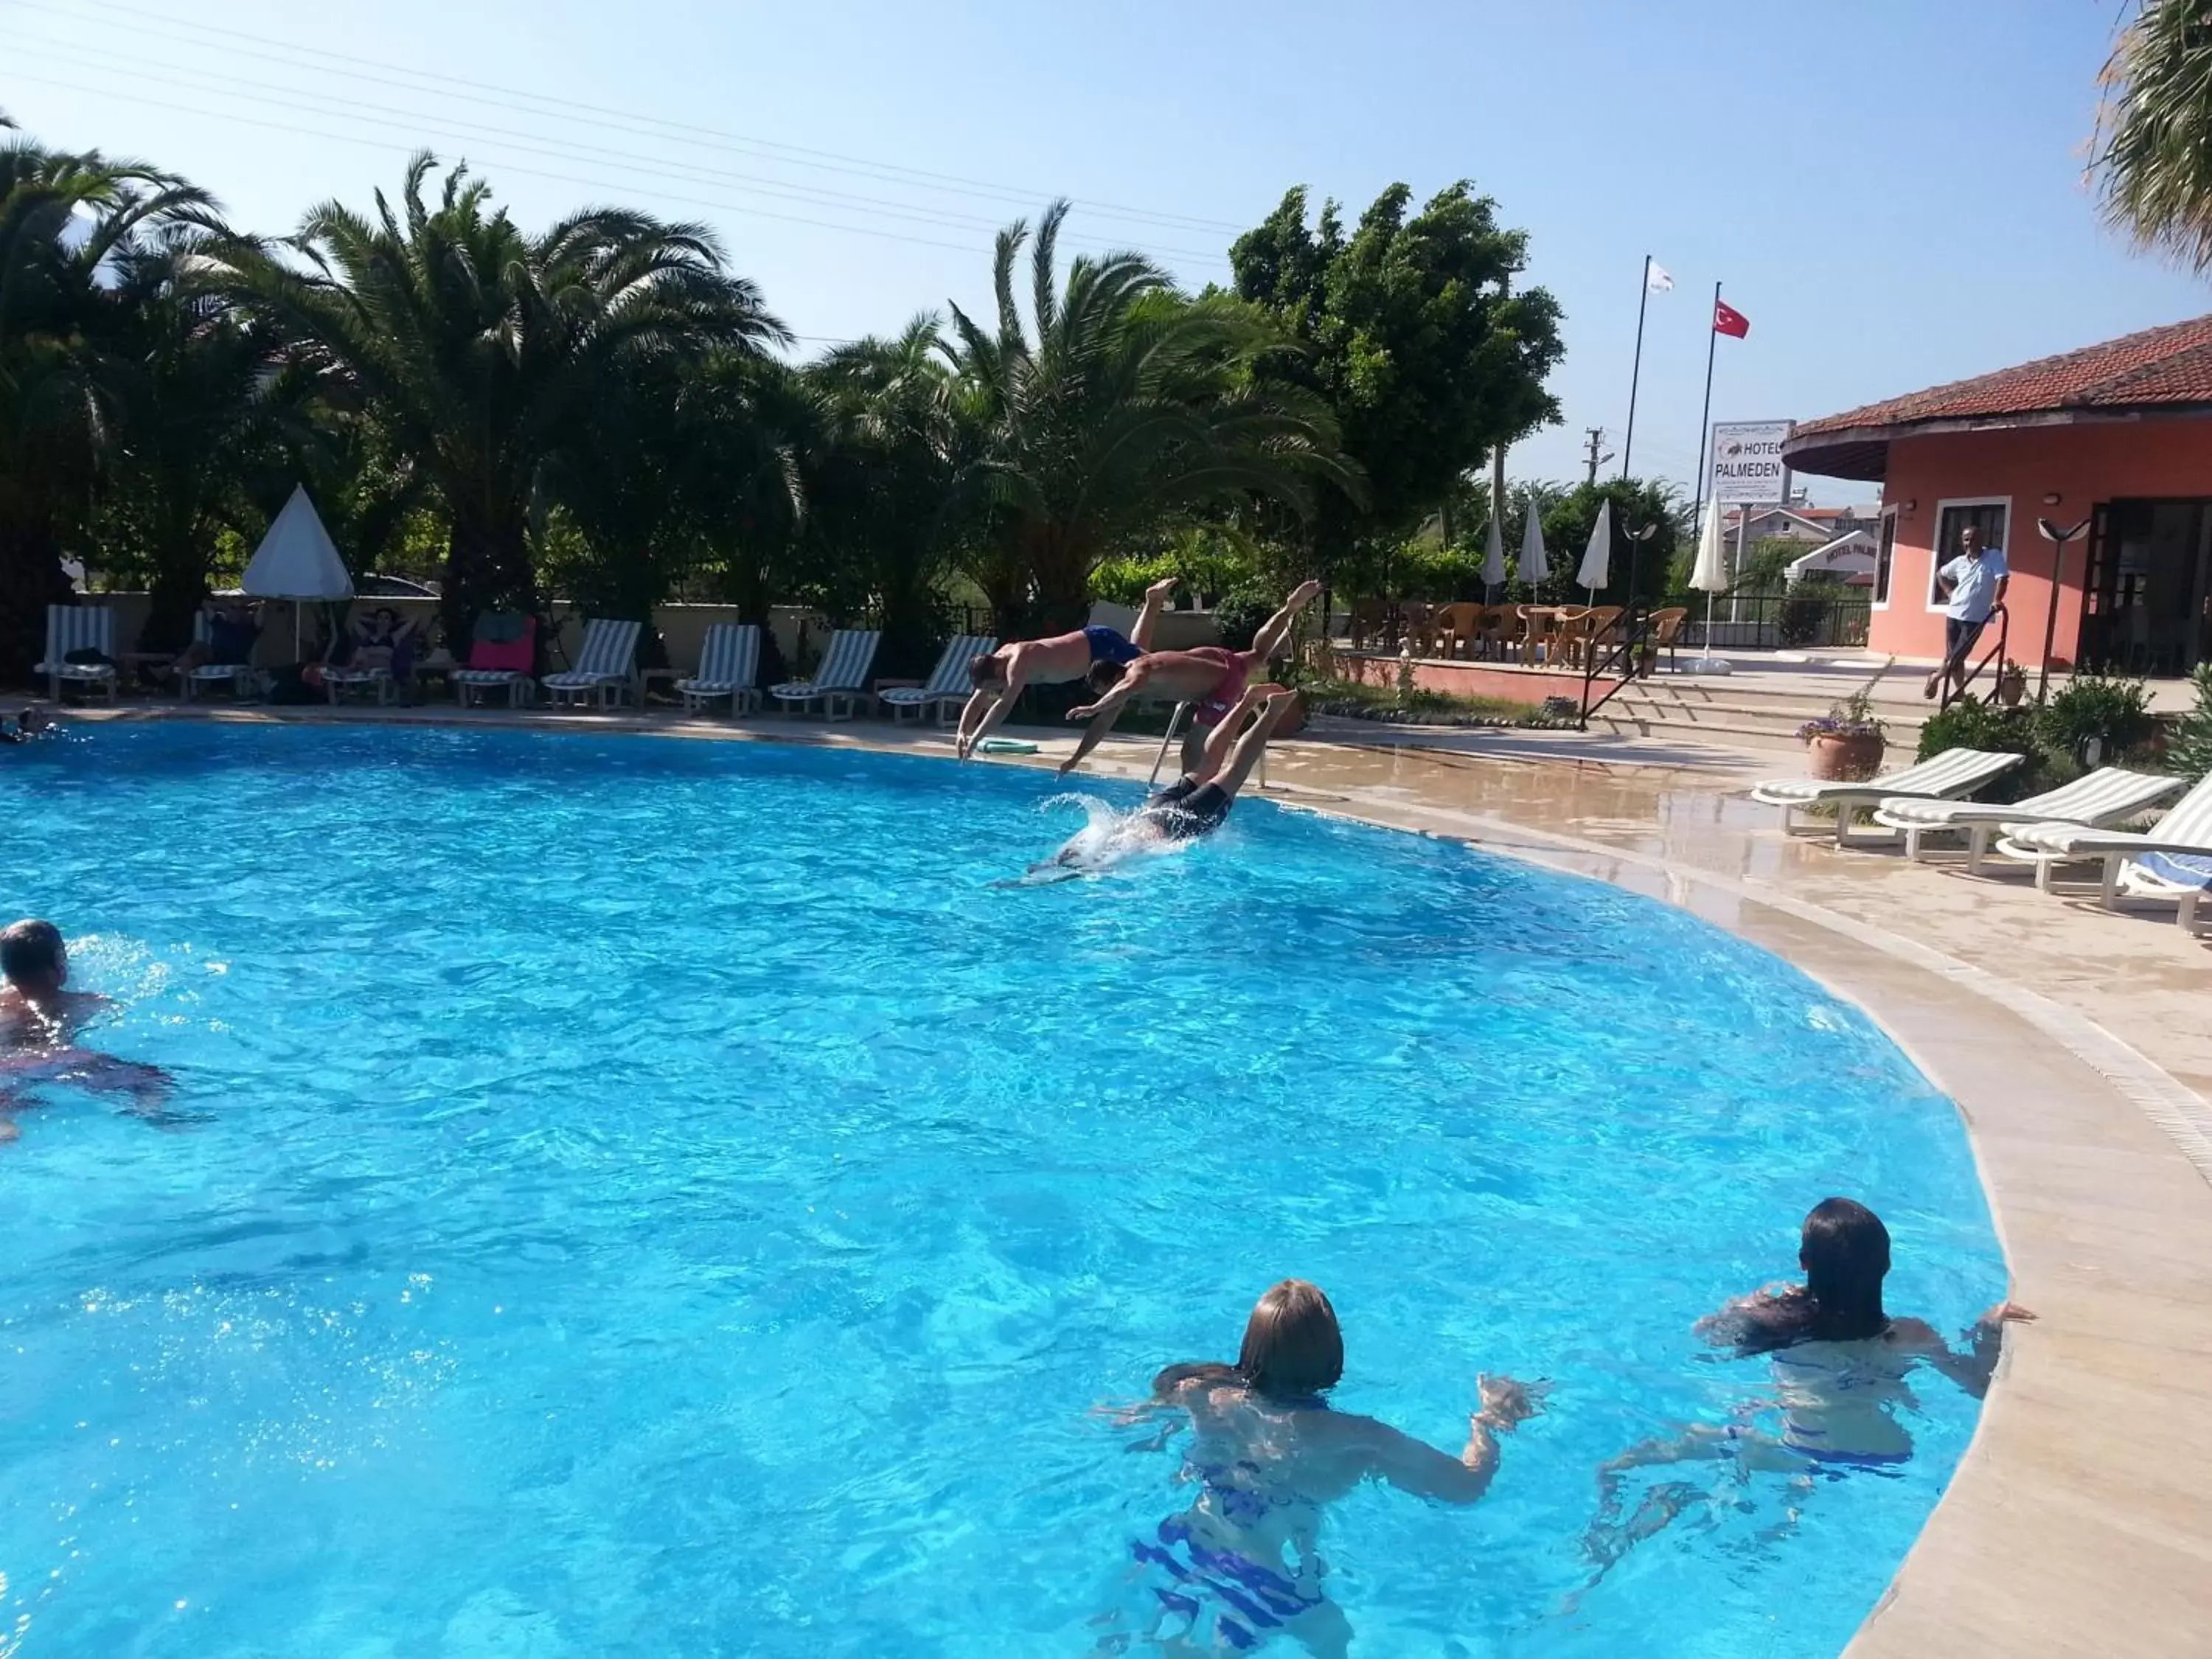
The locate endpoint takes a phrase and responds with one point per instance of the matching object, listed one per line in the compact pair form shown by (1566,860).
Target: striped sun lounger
(604,667)
(1953,772)
(729,664)
(948,685)
(2111,795)
(79,628)
(841,676)
(238,676)
(2181,842)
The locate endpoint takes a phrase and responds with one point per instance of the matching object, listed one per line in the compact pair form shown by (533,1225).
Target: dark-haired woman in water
(1841,1366)
(1267,1453)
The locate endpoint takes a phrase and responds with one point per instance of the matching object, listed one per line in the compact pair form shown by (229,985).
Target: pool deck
(2077,1043)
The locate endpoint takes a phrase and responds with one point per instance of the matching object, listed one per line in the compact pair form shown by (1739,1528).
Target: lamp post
(2058,537)
(1637,539)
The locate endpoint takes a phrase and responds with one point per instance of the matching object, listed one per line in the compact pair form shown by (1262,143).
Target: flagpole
(1635,372)
(1705,421)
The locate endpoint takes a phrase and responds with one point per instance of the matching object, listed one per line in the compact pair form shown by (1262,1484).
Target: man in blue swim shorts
(1000,678)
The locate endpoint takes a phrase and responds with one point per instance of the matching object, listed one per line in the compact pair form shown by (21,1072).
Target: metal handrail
(1997,654)
(1635,624)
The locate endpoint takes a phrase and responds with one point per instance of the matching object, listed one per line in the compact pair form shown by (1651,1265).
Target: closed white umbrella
(1493,553)
(1709,576)
(1533,569)
(1597,558)
(297,562)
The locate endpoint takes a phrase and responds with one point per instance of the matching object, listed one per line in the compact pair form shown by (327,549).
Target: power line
(475,91)
(418,125)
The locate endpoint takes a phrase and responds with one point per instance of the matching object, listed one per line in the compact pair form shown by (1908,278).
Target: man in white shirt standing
(1975,582)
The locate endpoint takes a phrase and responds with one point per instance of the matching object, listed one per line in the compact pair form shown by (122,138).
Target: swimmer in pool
(1197,803)
(1000,678)
(1267,1453)
(1212,677)
(1841,1365)
(38,1021)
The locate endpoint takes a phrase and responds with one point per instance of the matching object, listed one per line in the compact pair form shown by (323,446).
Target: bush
(1242,614)
(2189,751)
(2114,711)
(1970,723)
(1801,620)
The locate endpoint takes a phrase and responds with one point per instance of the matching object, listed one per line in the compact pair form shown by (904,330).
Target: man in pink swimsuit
(1210,676)
(1000,677)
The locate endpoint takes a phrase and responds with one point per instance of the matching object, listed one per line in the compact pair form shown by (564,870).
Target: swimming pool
(657,1197)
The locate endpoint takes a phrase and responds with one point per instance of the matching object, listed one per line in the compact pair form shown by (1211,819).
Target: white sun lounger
(238,676)
(605,666)
(2109,796)
(842,676)
(2182,877)
(729,663)
(2184,833)
(79,628)
(949,683)
(1953,772)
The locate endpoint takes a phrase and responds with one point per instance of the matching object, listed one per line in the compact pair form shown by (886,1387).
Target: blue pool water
(660,1198)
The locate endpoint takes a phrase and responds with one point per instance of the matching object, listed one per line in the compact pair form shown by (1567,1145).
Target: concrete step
(1720,734)
(1903,726)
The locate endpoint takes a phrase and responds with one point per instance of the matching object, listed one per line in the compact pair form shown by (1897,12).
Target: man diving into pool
(1000,677)
(1210,676)
(1198,802)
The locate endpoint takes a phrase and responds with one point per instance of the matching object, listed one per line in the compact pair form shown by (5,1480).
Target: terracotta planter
(1836,758)
(2011,688)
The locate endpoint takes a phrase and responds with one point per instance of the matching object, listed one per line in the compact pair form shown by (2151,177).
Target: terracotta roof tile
(2168,365)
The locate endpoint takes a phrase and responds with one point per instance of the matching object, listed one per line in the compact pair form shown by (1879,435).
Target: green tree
(1117,412)
(483,352)
(1409,328)
(2153,148)
(64,220)
(883,508)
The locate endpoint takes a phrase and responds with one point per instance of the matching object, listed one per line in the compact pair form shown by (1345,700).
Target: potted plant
(2012,683)
(1845,743)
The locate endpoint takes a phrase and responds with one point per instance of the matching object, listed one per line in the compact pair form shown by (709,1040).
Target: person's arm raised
(1974,1369)
(1416,1467)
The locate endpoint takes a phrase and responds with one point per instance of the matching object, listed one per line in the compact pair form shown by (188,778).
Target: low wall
(682,627)
(1468,679)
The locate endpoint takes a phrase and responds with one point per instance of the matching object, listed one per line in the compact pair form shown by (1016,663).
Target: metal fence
(1769,622)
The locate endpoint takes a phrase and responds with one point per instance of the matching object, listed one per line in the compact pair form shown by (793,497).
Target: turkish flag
(1728,320)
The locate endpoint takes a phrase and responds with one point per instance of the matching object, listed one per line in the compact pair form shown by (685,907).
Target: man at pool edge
(1268,1453)
(1000,677)
(38,1021)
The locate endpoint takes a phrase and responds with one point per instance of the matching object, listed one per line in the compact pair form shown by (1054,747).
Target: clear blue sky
(1891,190)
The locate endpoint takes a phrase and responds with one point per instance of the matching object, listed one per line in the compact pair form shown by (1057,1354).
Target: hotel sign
(1747,462)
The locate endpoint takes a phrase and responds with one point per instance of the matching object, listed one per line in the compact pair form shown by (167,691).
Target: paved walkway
(2077,1043)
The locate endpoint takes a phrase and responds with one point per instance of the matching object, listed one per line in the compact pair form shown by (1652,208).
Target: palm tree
(1128,412)
(883,507)
(2153,151)
(482,351)
(66,220)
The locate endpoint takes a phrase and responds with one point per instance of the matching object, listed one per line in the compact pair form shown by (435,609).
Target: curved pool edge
(2079,1520)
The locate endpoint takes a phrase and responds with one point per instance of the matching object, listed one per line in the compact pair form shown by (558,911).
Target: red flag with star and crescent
(1728,320)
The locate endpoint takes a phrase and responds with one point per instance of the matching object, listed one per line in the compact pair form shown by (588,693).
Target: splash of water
(1108,839)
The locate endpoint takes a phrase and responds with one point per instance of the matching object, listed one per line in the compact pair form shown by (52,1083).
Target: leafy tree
(1117,412)
(883,505)
(483,352)
(65,219)
(2189,752)
(1409,331)
(2153,149)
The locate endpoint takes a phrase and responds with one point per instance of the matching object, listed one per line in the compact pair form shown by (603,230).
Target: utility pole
(1590,456)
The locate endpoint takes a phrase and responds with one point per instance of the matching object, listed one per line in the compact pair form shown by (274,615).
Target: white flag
(1656,280)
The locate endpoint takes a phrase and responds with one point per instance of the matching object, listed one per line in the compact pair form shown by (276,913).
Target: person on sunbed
(1268,1453)
(1000,677)
(234,626)
(1212,677)
(1842,1367)
(38,1021)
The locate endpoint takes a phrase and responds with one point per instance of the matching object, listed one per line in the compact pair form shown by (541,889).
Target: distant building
(1815,527)
(2116,437)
